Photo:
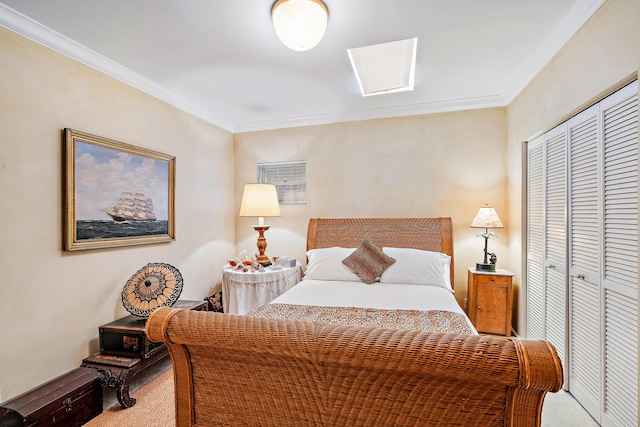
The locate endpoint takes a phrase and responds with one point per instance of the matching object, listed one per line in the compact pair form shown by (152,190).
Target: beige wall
(603,54)
(52,302)
(422,166)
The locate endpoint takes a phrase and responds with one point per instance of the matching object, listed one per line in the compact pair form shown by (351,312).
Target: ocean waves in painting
(87,230)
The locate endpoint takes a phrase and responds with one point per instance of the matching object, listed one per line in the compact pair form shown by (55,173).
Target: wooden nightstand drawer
(489,298)
(486,279)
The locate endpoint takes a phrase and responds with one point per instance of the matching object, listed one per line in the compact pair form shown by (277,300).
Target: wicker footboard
(241,370)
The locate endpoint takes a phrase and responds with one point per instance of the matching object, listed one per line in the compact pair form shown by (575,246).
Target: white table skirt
(242,292)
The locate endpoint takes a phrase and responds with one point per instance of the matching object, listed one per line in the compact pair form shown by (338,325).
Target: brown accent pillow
(368,261)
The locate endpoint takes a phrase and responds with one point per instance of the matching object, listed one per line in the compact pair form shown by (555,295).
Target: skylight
(386,67)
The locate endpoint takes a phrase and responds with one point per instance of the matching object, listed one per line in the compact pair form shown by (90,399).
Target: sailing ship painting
(122,195)
(132,215)
(130,207)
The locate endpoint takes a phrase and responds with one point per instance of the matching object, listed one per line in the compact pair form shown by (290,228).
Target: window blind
(290,179)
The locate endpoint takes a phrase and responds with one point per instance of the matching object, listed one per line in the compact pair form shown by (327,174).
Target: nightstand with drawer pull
(490,300)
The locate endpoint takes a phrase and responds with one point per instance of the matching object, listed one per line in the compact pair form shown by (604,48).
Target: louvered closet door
(584,259)
(602,246)
(535,240)
(620,244)
(555,225)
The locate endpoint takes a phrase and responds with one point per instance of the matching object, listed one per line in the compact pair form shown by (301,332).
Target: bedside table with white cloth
(244,291)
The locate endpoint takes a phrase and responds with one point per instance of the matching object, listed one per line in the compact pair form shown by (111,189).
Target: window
(290,179)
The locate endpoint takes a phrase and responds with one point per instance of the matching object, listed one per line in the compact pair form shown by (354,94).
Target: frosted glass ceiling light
(299,24)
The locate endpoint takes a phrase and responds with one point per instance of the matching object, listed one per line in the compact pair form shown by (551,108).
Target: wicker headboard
(429,234)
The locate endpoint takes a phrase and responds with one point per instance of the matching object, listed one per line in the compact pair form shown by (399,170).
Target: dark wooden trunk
(67,401)
(127,337)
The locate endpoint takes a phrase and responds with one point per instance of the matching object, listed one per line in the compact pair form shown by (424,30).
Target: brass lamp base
(262,245)
(481,266)
(264,260)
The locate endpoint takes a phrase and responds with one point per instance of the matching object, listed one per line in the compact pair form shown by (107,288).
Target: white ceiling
(221,60)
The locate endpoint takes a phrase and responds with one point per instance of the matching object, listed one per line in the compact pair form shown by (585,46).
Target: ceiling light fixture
(299,24)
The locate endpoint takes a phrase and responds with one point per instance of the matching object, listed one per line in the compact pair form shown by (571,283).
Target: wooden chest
(127,337)
(67,401)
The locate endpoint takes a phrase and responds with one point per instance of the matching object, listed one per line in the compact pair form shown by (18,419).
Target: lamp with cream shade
(260,200)
(487,218)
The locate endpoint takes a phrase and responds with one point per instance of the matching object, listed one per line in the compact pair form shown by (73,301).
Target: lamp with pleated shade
(487,218)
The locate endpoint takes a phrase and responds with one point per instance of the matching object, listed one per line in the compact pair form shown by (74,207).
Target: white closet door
(620,244)
(546,239)
(535,240)
(584,259)
(602,248)
(555,225)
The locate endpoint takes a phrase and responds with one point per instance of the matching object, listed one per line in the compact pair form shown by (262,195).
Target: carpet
(155,407)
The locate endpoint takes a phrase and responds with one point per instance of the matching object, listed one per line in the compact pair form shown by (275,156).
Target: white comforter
(377,295)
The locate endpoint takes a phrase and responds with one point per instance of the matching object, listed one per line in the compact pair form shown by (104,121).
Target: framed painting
(115,194)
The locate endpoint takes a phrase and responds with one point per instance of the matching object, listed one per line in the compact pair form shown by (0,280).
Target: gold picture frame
(115,194)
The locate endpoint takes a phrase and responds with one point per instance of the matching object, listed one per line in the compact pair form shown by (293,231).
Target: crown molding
(577,16)
(372,114)
(38,33)
(30,29)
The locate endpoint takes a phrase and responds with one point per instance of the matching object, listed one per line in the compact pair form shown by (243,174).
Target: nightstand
(244,291)
(490,300)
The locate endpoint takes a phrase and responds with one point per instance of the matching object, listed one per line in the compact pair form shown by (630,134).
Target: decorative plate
(153,286)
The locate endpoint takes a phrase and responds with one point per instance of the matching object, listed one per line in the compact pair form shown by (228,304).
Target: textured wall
(421,166)
(51,301)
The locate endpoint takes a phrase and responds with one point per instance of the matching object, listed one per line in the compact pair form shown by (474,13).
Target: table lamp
(487,218)
(260,200)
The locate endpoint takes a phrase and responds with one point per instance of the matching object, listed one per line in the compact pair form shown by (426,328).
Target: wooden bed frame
(248,371)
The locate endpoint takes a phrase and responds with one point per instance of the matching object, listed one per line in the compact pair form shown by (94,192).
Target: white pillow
(418,267)
(326,264)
